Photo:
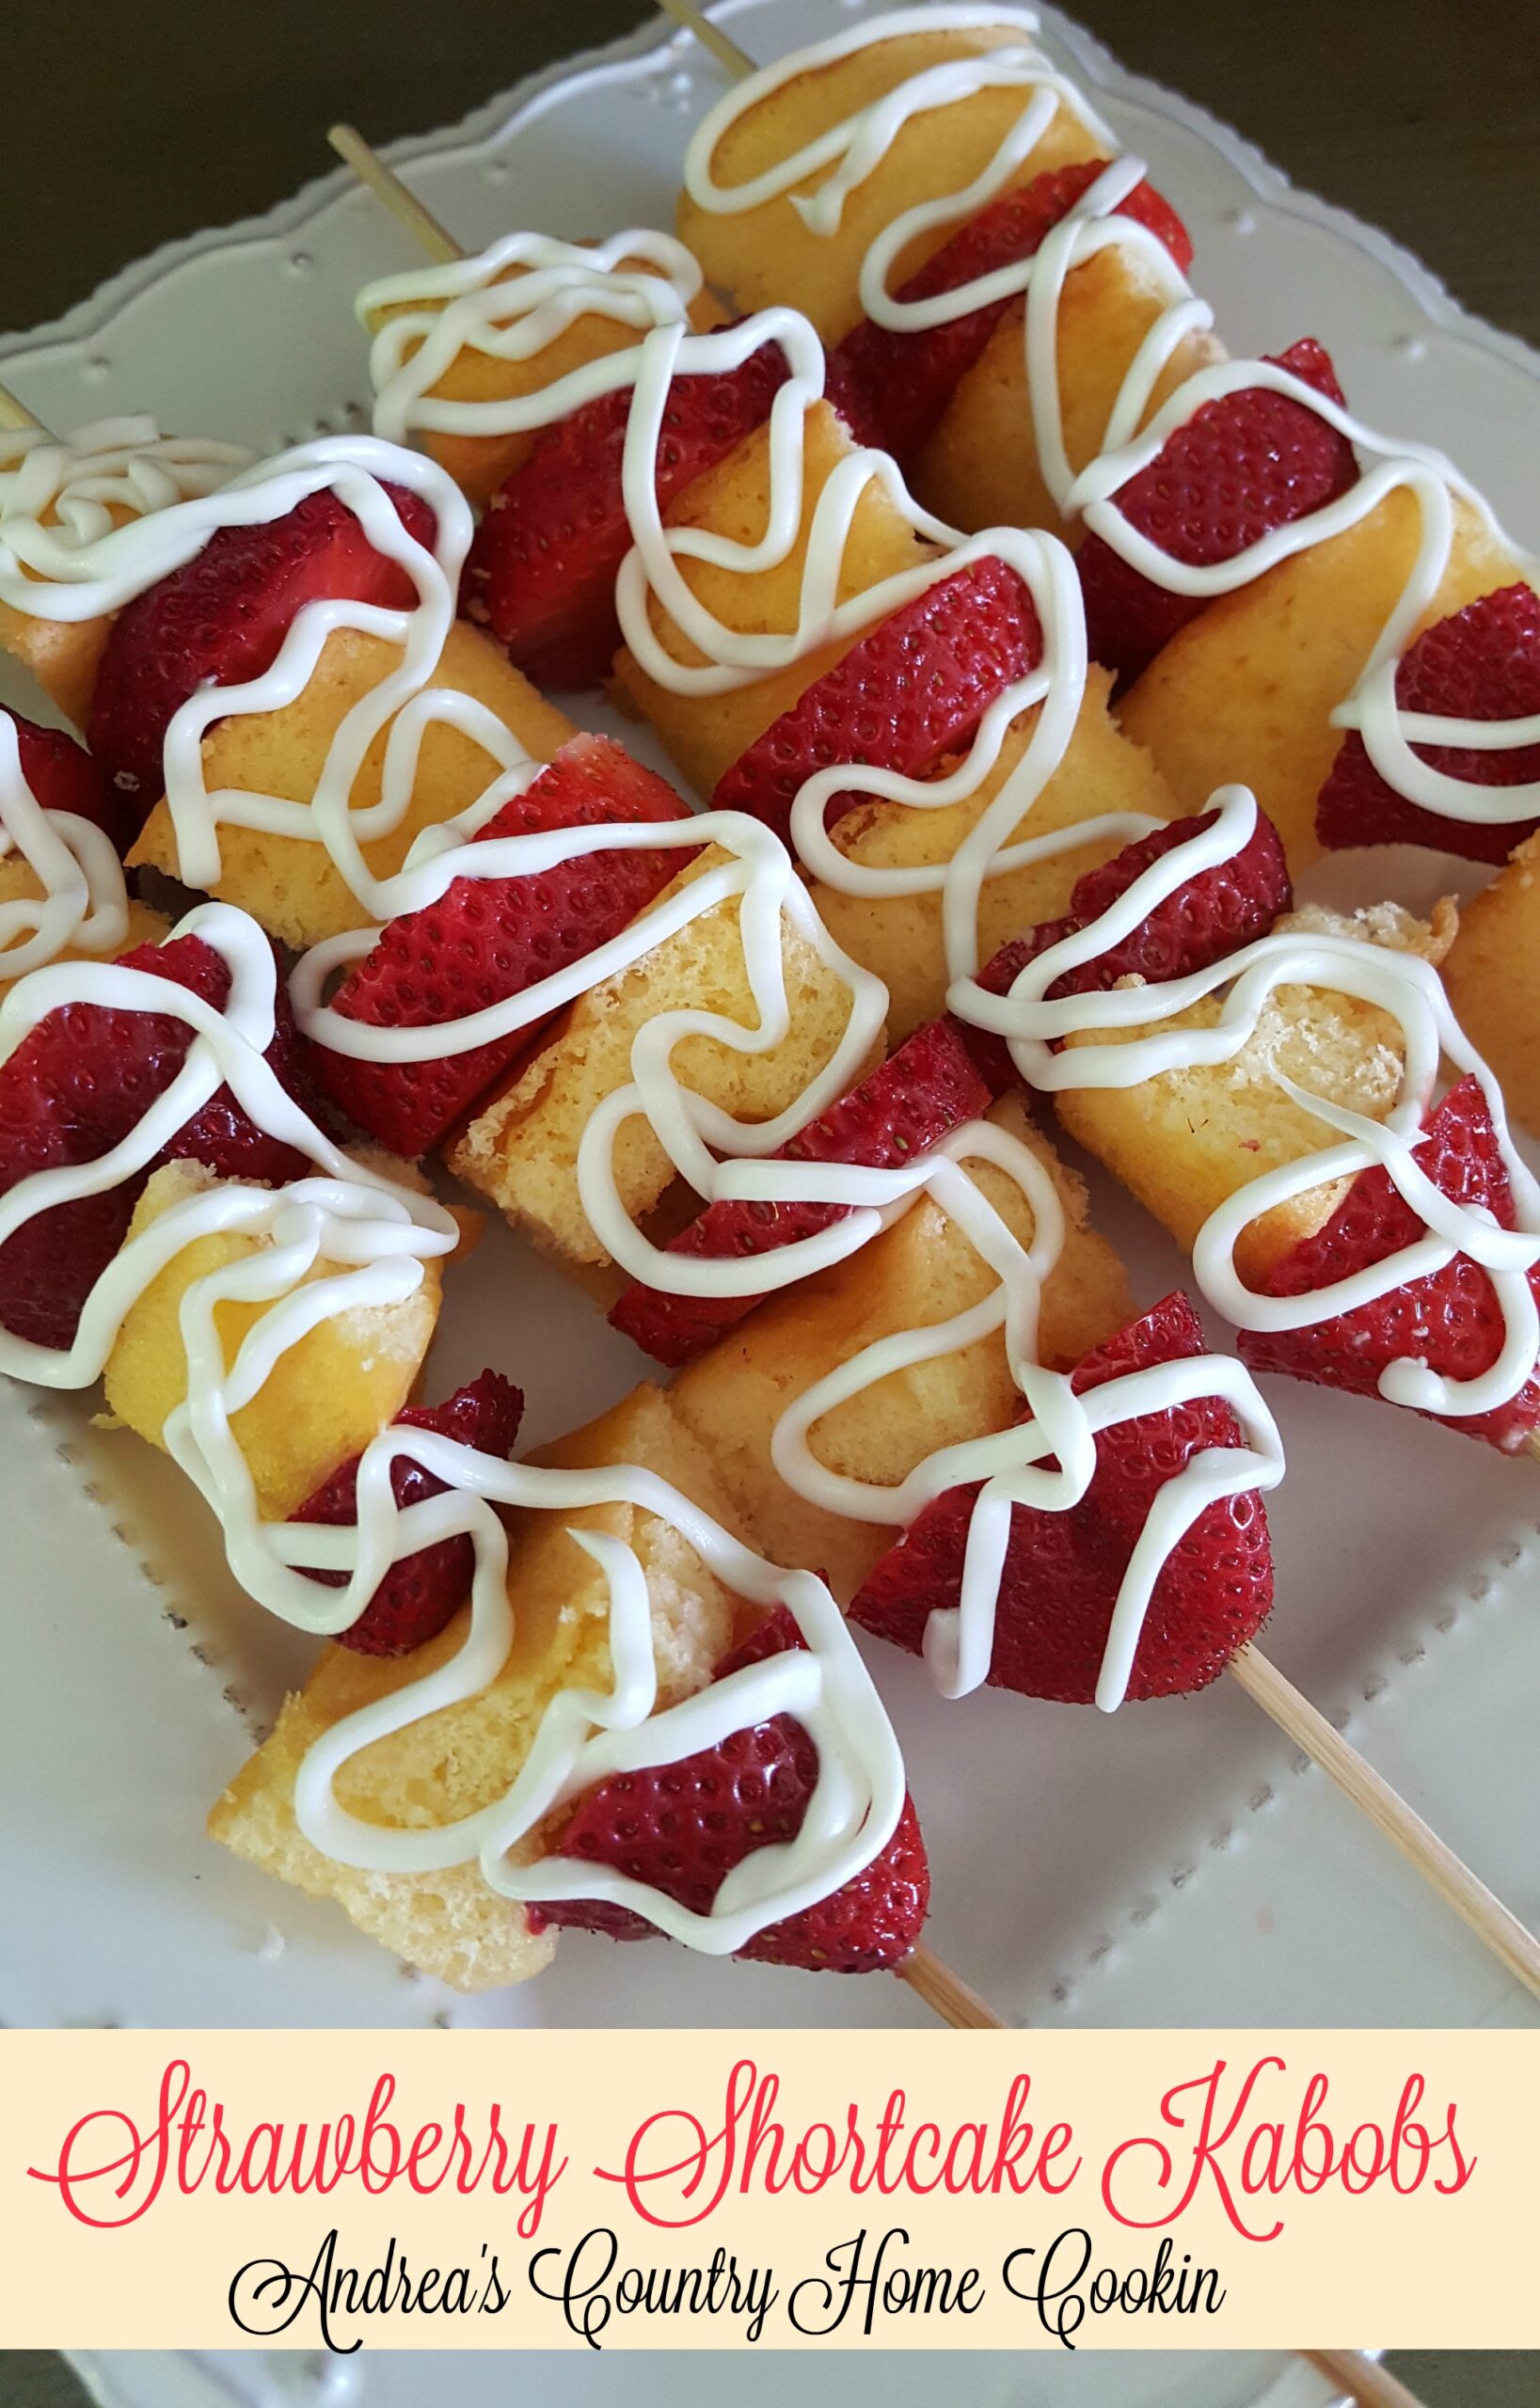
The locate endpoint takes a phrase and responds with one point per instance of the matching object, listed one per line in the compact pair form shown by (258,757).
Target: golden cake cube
(292,885)
(465,1757)
(921,1271)
(1247,689)
(327,1396)
(1185,1141)
(769,254)
(1492,982)
(521,1149)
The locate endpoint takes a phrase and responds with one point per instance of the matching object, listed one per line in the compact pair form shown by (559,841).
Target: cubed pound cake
(480,463)
(921,1271)
(20,883)
(1184,1141)
(293,886)
(521,1149)
(1247,689)
(770,253)
(328,1395)
(980,467)
(705,734)
(900,938)
(465,1757)
(1493,976)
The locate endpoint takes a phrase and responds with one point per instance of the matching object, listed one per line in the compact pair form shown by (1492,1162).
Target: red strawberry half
(911,691)
(894,387)
(421,1594)
(63,777)
(1239,468)
(1063,1571)
(221,621)
(542,571)
(73,1088)
(1450,1321)
(1209,916)
(683,1828)
(909,1103)
(488,939)
(1482,663)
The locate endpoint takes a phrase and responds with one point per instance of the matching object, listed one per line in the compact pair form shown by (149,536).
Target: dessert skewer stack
(777,1158)
(1304,1725)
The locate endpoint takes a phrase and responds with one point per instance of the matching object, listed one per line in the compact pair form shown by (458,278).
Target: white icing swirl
(70,512)
(83,902)
(511,302)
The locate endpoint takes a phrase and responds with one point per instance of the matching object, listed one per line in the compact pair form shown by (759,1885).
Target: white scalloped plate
(1176,1864)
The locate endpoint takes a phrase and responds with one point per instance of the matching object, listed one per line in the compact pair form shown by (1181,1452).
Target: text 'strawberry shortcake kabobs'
(735,649)
(163,1221)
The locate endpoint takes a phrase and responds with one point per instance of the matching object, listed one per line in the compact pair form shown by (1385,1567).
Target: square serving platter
(1176,1863)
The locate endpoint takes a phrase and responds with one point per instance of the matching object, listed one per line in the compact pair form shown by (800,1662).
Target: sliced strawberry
(489,938)
(74,1087)
(63,777)
(1063,1571)
(1239,468)
(221,621)
(542,571)
(911,691)
(1450,1321)
(1209,916)
(909,1103)
(1482,663)
(683,1828)
(419,1594)
(894,387)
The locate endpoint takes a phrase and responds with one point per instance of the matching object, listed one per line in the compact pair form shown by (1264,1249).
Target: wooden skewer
(15,418)
(946,1994)
(1363,2379)
(711,37)
(370,169)
(1517,1950)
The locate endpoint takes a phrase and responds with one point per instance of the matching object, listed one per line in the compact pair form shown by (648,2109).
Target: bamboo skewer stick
(1516,1948)
(946,1994)
(1365,2381)
(386,186)
(711,37)
(15,418)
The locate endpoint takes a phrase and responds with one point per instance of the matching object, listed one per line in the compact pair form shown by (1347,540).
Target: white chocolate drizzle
(82,905)
(71,512)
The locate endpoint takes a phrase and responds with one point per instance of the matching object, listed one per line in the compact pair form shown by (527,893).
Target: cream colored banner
(672,2190)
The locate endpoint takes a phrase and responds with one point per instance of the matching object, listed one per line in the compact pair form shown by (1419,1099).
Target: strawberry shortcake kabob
(561,1173)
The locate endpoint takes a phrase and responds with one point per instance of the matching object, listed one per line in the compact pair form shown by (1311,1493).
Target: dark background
(127,127)
(1423,116)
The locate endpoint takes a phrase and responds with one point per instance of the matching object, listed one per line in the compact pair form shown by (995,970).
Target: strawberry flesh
(486,940)
(1482,663)
(542,570)
(421,1592)
(63,777)
(908,1103)
(911,691)
(894,387)
(1240,467)
(1450,1321)
(73,1088)
(683,1828)
(221,620)
(1063,1571)
(1211,915)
